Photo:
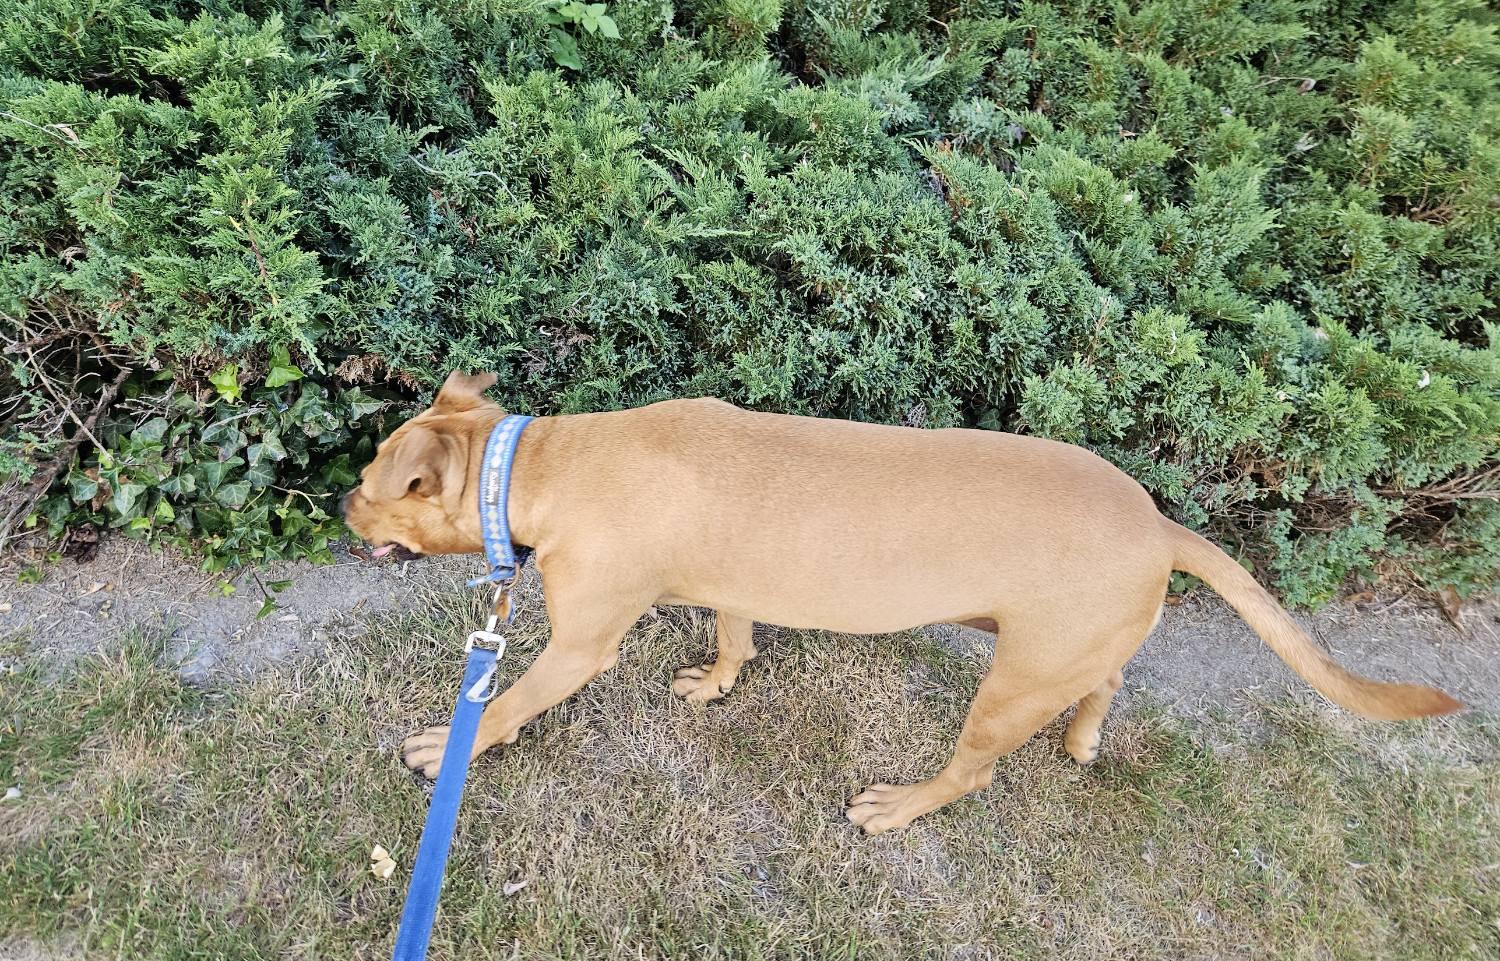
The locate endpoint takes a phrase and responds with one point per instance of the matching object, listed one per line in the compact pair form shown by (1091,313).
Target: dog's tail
(1388,702)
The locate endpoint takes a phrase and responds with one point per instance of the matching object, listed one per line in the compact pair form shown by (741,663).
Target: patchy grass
(159,821)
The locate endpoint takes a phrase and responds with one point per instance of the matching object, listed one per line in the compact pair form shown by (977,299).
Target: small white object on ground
(511,887)
(379,853)
(383,868)
(12,793)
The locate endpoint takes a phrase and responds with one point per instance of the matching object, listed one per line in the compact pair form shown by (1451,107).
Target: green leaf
(233,495)
(124,501)
(337,473)
(260,475)
(564,50)
(82,488)
(226,382)
(608,28)
(266,608)
(278,586)
(215,471)
(360,403)
(152,431)
(283,375)
(164,511)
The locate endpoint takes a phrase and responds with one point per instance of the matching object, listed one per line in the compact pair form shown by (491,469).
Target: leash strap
(494,488)
(442,815)
(504,563)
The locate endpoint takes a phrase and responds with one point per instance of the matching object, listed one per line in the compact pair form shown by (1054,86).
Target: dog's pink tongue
(382,551)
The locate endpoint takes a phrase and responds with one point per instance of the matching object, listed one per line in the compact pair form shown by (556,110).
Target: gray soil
(1200,659)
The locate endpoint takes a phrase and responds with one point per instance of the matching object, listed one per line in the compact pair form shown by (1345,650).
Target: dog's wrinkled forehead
(418,449)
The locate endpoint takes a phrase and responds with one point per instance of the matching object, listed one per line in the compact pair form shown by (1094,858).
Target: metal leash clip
(483,689)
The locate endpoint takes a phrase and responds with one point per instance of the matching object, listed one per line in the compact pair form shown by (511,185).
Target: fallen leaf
(383,868)
(511,887)
(360,553)
(93,590)
(1363,597)
(1307,85)
(1174,600)
(82,542)
(1452,605)
(4,608)
(67,130)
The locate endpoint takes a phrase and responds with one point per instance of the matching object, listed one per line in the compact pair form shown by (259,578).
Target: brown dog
(829,524)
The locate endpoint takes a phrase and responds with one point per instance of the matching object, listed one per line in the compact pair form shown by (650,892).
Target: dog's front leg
(586,636)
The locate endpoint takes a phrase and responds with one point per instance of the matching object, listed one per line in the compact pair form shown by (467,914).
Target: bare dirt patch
(74,608)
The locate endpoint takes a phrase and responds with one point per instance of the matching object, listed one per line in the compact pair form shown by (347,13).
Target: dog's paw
(1084,751)
(423,752)
(886,807)
(700,684)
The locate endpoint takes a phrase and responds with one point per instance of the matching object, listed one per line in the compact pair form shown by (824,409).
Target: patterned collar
(504,559)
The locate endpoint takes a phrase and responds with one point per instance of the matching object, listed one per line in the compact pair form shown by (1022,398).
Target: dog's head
(413,492)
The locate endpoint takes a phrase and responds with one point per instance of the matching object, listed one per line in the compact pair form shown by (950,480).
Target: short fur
(815,523)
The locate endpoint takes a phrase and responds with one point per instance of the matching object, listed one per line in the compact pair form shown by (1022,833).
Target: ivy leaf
(260,475)
(360,403)
(151,432)
(337,475)
(282,370)
(227,383)
(233,495)
(270,444)
(283,375)
(82,488)
(125,498)
(266,608)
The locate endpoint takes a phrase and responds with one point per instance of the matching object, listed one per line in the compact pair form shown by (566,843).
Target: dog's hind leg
(1039,669)
(586,635)
(709,682)
(1082,737)
(1010,707)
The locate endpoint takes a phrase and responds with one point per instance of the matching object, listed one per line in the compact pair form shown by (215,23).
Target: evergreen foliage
(1249,250)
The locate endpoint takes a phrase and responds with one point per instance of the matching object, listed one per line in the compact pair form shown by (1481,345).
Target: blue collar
(494,488)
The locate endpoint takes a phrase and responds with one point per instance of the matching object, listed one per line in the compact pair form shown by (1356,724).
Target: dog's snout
(344,504)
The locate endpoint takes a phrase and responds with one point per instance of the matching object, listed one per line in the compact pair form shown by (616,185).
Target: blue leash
(437,835)
(442,815)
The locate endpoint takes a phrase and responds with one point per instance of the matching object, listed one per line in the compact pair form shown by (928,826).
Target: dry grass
(160,822)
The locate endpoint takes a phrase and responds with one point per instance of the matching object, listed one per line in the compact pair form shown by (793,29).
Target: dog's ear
(417,465)
(463,392)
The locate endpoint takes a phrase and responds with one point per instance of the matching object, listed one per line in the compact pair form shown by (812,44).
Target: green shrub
(1249,251)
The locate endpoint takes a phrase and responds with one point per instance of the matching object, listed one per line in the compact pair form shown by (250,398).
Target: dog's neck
(520,503)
